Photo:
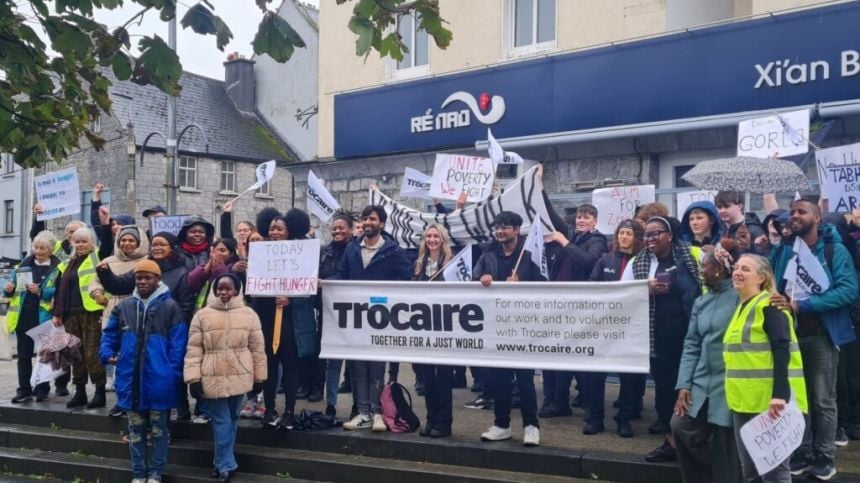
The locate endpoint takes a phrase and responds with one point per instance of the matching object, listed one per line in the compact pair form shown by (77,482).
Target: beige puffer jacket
(226,351)
(120,263)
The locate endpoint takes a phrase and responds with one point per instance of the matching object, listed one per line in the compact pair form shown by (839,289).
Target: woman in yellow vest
(80,313)
(763,364)
(29,306)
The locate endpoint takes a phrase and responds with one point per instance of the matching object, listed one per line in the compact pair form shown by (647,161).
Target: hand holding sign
(456,173)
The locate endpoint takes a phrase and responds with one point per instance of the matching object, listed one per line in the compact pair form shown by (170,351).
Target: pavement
(560,433)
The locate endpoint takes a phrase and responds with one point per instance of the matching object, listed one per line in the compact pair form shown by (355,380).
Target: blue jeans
(820,365)
(225,420)
(367,381)
(332,380)
(139,423)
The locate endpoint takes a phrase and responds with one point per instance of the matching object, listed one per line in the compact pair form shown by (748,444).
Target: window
(681,171)
(416,41)
(228,176)
(9,216)
(532,25)
(264,190)
(8,163)
(96,124)
(87,202)
(187,172)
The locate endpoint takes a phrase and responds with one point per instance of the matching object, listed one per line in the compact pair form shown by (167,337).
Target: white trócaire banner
(686,198)
(415,184)
(839,174)
(459,269)
(474,224)
(566,326)
(617,204)
(286,267)
(320,201)
(169,223)
(770,441)
(59,193)
(777,135)
(804,274)
(456,173)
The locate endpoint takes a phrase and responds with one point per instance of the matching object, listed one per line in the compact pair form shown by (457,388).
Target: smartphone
(664,278)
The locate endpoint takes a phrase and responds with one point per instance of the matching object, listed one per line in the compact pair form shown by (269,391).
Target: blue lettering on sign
(379,300)
(774,62)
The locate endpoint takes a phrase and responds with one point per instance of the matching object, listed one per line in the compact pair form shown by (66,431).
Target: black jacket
(173,274)
(489,263)
(610,267)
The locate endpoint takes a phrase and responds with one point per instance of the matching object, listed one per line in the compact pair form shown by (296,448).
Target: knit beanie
(147,266)
(129,230)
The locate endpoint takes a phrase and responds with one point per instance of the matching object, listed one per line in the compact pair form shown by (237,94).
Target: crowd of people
(162,317)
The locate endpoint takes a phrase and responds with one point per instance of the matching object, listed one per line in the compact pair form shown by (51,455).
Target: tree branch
(138,14)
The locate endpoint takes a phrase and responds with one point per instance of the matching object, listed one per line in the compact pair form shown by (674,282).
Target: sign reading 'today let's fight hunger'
(286,267)
(554,325)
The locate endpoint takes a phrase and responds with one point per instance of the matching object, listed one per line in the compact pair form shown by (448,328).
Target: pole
(171,133)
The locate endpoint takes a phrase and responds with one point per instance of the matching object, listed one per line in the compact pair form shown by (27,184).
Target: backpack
(396,410)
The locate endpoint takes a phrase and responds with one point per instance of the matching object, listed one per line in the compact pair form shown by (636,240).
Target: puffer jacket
(148,338)
(716,228)
(119,264)
(226,352)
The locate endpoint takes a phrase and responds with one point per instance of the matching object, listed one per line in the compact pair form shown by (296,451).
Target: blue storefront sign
(773,62)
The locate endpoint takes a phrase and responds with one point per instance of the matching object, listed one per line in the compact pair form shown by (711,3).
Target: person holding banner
(80,313)
(30,292)
(373,256)
(672,271)
(819,288)
(507,260)
(764,369)
(702,423)
(434,253)
(610,267)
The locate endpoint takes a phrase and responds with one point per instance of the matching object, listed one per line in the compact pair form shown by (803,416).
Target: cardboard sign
(287,267)
(617,204)
(779,135)
(839,175)
(171,224)
(770,441)
(685,199)
(415,184)
(456,173)
(59,193)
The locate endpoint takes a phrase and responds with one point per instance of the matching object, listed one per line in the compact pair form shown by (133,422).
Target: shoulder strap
(828,255)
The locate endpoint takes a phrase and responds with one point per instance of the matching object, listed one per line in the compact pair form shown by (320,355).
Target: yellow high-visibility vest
(86,274)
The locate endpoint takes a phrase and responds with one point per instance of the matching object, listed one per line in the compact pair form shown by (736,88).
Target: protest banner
(456,173)
(779,135)
(564,326)
(617,204)
(770,441)
(415,184)
(320,201)
(286,267)
(59,193)
(686,198)
(169,223)
(459,269)
(839,175)
(474,223)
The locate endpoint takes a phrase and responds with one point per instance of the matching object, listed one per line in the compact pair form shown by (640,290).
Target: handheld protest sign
(283,268)
(839,175)
(779,135)
(456,173)
(617,204)
(59,193)
(170,223)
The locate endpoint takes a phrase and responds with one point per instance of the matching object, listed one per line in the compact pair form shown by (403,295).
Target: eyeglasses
(654,234)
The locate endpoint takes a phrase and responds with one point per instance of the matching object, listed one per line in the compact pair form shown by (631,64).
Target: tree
(47,103)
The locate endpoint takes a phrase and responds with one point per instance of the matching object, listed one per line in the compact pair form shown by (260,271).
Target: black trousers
(664,370)
(502,383)
(848,384)
(438,395)
(593,388)
(286,360)
(556,387)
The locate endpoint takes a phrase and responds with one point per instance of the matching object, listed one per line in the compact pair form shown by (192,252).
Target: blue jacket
(831,306)
(389,262)
(149,338)
(711,210)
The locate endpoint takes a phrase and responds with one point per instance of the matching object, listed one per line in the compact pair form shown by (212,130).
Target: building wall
(11,189)
(285,89)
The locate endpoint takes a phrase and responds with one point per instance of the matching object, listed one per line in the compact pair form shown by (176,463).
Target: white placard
(777,135)
(686,198)
(286,267)
(169,223)
(455,173)
(770,441)
(415,184)
(839,174)
(59,193)
(582,326)
(320,202)
(617,204)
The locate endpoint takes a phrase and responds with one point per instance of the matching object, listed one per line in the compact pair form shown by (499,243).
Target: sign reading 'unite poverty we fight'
(457,173)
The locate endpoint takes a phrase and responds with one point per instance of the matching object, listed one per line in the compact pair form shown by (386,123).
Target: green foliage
(49,98)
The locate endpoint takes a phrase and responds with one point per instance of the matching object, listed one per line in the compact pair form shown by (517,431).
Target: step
(504,456)
(108,454)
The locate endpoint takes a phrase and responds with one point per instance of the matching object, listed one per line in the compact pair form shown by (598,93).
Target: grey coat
(702,368)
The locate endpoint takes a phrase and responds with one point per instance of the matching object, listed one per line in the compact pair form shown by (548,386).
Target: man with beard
(823,324)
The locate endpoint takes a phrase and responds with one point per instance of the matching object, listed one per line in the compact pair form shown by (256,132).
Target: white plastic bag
(43,372)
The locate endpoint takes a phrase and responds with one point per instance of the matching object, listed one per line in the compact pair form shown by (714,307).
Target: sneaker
(303,392)
(360,421)
(823,470)
(316,395)
(800,465)
(41,397)
(138,480)
(480,403)
(555,410)
(109,386)
(841,437)
(249,409)
(22,397)
(854,431)
(378,424)
(61,391)
(271,419)
(625,429)
(496,433)
(286,422)
(200,419)
(116,412)
(661,454)
(531,438)
(657,428)
(591,428)
(260,412)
